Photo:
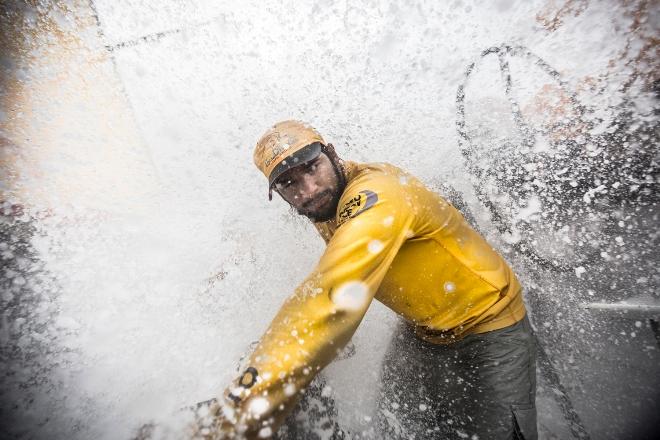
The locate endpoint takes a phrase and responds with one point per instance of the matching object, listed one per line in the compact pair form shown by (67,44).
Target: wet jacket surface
(392,240)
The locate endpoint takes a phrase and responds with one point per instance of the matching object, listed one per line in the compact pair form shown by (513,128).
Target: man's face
(311,188)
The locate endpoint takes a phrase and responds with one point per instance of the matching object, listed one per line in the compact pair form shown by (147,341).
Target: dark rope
(528,135)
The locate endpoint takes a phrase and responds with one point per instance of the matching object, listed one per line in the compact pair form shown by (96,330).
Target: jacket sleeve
(314,324)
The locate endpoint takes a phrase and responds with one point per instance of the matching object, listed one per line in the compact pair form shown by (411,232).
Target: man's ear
(337,163)
(330,150)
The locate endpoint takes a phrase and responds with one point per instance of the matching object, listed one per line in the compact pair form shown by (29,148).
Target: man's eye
(283,184)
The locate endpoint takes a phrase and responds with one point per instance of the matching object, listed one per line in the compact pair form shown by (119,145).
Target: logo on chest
(357,205)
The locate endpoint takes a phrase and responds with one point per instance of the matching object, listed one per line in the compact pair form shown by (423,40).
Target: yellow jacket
(393,240)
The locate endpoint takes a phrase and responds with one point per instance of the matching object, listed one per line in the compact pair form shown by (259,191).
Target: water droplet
(265,432)
(352,295)
(289,389)
(375,246)
(258,406)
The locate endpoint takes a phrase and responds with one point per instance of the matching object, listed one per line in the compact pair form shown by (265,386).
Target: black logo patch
(357,205)
(248,378)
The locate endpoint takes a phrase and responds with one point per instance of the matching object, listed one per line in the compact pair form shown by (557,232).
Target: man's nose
(308,186)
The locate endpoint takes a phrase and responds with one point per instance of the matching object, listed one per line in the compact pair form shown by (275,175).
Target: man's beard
(327,212)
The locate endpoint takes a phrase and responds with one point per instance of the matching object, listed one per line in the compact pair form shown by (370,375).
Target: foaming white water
(156,304)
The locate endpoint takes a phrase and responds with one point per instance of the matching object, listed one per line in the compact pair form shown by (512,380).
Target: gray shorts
(482,387)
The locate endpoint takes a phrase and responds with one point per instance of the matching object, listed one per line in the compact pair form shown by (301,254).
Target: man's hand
(212,422)
(209,421)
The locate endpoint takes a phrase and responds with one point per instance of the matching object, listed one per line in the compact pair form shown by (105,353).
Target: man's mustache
(310,202)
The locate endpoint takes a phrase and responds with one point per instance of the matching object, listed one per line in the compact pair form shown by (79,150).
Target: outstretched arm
(317,321)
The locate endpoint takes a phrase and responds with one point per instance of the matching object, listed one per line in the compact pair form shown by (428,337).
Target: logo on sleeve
(247,379)
(357,205)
